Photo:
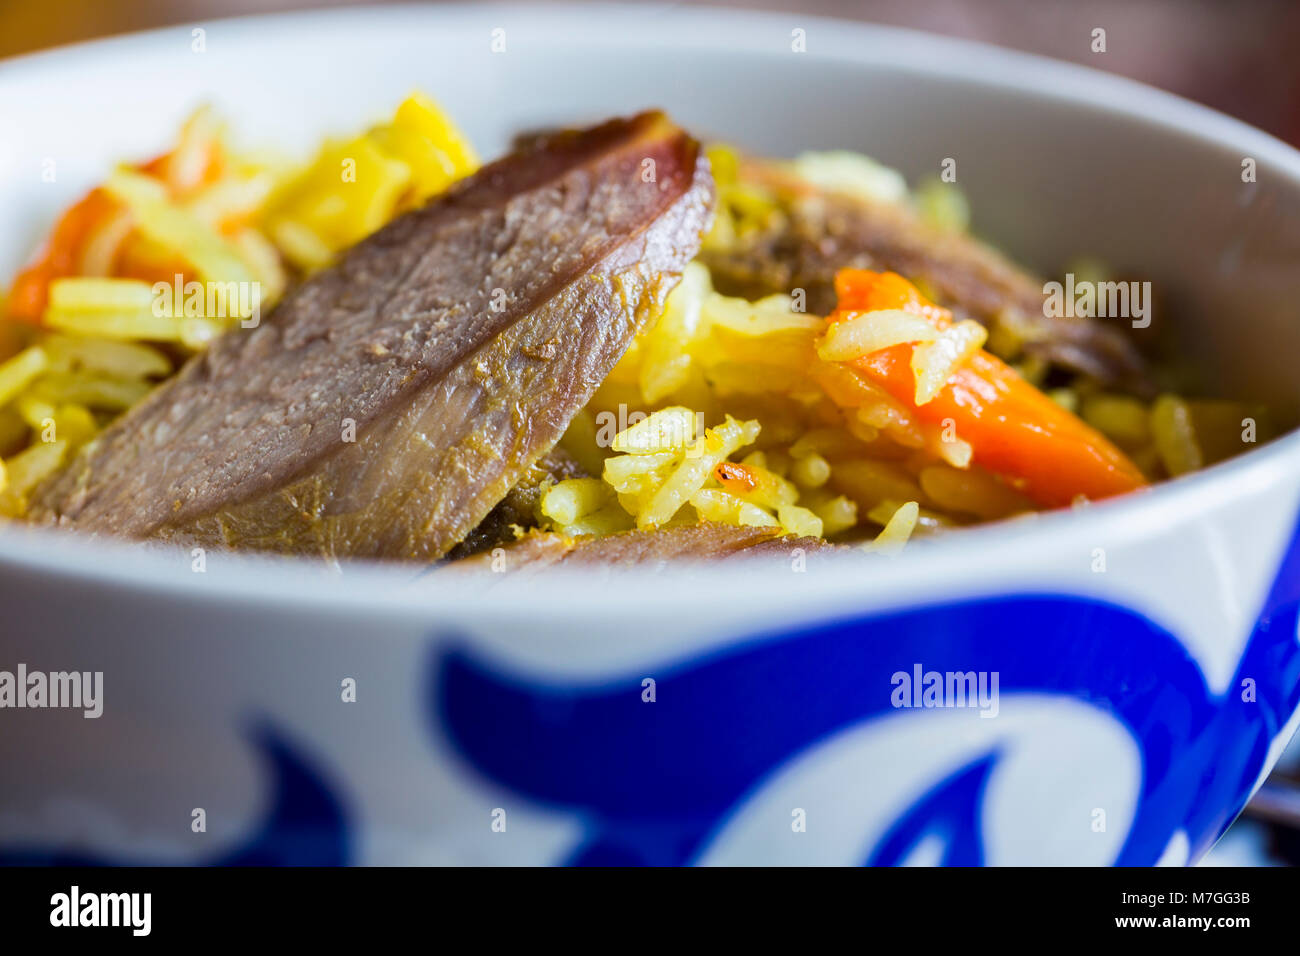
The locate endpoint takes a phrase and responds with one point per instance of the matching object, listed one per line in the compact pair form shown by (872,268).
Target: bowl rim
(63,556)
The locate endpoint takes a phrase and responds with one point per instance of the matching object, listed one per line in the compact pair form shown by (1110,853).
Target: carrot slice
(1014,430)
(30,290)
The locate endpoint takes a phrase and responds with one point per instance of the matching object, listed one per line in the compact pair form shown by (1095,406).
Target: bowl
(1100,686)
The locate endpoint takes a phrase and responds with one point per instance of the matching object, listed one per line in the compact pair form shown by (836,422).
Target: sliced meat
(392,400)
(707,541)
(819,233)
(517,511)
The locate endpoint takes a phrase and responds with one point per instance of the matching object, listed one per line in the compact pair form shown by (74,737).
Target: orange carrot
(60,257)
(212,167)
(140,260)
(30,290)
(1014,430)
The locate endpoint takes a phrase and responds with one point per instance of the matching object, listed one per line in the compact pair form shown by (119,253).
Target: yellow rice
(723,409)
(98,350)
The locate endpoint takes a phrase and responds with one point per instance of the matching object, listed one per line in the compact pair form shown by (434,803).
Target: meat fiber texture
(391,400)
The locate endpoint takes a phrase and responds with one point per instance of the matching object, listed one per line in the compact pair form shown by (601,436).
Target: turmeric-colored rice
(197,242)
(723,409)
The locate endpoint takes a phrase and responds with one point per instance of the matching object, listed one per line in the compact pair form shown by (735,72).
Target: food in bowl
(1124,637)
(612,345)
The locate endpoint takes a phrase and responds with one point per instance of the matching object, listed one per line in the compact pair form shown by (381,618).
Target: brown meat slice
(707,541)
(460,340)
(518,509)
(820,232)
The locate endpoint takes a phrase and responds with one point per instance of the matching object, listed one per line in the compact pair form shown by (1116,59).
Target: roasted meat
(392,400)
(816,233)
(518,510)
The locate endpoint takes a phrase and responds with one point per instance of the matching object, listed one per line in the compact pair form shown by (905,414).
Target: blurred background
(1237,57)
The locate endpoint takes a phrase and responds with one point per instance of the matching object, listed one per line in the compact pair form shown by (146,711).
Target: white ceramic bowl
(1137,708)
